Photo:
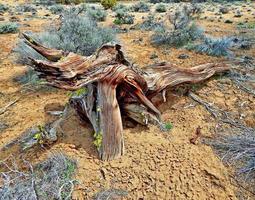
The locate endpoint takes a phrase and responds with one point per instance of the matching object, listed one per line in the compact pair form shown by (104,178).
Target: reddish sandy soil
(156,165)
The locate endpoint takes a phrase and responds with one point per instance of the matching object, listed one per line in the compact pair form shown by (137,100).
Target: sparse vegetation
(96,13)
(237,149)
(123,17)
(57,9)
(77,33)
(8,27)
(3,8)
(141,6)
(70,1)
(26,8)
(108,3)
(51,179)
(183,32)
(150,24)
(213,47)
(160,8)
(168,126)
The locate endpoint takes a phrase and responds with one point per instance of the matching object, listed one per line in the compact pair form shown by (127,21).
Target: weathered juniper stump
(113,87)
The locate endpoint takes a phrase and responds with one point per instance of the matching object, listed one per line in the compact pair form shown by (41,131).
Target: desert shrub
(96,13)
(155,1)
(44,2)
(150,23)
(237,149)
(141,6)
(213,47)
(120,7)
(160,8)
(8,27)
(70,1)
(176,38)
(108,3)
(51,179)
(3,8)
(183,30)
(122,17)
(26,8)
(56,9)
(77,33)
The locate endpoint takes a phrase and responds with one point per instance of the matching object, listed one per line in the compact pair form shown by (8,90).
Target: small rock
(1,18)
(183,56)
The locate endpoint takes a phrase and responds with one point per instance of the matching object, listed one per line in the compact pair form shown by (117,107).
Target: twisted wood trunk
(113,87)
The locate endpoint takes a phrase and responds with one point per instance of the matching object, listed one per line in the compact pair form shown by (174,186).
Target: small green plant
(78,93)
(98,140)
(8,27)
(107,4)
(168,126)
(160,8)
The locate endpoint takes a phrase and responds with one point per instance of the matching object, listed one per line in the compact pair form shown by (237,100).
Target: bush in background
(123,17)
(141,6)
(213,47)
(3,8)
(183,30)
(8,27)
(120,7)
(26,8)
(70,1)
(77,33)
(150,23)
(96,13)
(56,9)
(160,8)
(108,3)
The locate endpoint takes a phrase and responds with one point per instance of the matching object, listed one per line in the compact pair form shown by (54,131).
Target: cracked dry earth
(156,165)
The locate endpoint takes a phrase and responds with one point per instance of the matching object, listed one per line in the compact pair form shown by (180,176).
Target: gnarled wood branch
(114,87)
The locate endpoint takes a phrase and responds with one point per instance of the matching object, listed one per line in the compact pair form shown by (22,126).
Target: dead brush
(51,179)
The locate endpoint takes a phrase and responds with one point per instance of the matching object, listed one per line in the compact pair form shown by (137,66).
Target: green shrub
(8,27)
(176,38)
(141,6)
(3,8)
(160,8)
(96,13)
(120,7)
(122,17)
(77,33)
(150,24)
(108,3)
(26,8)
(213,47)
(56,9)
(70,1)
(183,32)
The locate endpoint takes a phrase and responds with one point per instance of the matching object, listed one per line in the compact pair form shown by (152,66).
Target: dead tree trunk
(113,86)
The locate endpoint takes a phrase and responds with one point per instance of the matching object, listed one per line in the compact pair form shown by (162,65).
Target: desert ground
(156,165)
